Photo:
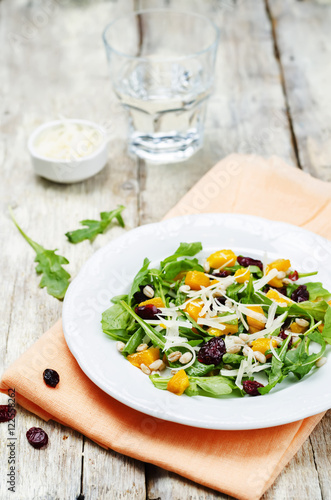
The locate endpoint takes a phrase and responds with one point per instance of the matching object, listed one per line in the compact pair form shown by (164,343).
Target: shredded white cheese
(258,284)
(68,141)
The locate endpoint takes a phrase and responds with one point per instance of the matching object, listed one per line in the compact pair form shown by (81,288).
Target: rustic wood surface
(271,97)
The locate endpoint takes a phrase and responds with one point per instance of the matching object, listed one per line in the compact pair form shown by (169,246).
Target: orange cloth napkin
(240,463)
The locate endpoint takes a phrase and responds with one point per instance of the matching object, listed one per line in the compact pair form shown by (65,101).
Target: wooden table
(272,96)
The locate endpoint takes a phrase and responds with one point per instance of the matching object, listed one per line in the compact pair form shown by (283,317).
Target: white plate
(110,272)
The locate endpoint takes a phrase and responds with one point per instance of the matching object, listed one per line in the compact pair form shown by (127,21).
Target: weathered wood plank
(53,63)
(299,479)
(321,444)
(303,39)
(110,475)
(164,485)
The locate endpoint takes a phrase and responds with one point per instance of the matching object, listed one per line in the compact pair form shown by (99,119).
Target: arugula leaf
(171,269)
(316,291)
(299,362)
(232,290)
(159,382)
(133,342)
(198,369)
(206,386)
(95,227)
(213,386)
(276,374)
(315,309)
(232,359)
(155,336)
(139,279)
(54,277)
(118,298)
(116,322)
(326,333)
(249,292)
(184,250)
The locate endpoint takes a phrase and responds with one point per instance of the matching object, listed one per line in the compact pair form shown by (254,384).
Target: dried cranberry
(222,274)
(51,377)
(7,413)
(251,387)
(301,294)
(149,311)
(248,261)
(284,336)
(140,296)
(212,352)
(220,300)
(294,276)
(37,437)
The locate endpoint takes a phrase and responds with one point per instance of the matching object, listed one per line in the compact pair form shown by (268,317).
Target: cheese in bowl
(68,151)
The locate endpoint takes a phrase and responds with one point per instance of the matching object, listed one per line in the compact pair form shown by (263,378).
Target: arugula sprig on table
(54,277)
(95,227)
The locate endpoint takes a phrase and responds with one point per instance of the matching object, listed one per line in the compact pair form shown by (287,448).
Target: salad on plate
(230,325)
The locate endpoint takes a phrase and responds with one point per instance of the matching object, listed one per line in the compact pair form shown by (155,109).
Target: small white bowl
(68,171)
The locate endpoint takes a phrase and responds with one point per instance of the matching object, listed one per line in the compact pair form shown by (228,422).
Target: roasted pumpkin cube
(295,328)
(146,357)
(263,344)
(241,275)
(280,265)
(196,279)
(193,309)
(215,332)
(277,297)
(230,328)
(222,258)
(156,301)
(254,323)
(178,383)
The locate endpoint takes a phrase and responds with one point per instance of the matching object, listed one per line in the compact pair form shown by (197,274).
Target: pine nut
(233,349)
(157,365)
(185,358)
(155,372)
(287,281)
(142,347)
(244,336)
(259,356)
(148,291)
(320,362)
(145,369)
(280,275)
(206,266)
(302,322)
(174,356)
(120,346)
(184,288)
(228,303)
(238,340)
(173,371)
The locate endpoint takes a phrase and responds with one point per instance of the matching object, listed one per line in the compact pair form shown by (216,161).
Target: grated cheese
(68,141)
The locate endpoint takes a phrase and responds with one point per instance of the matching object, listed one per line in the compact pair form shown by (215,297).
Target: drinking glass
(162,70)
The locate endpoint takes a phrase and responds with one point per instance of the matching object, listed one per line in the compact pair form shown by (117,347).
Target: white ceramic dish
(67,172)
(110,271)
